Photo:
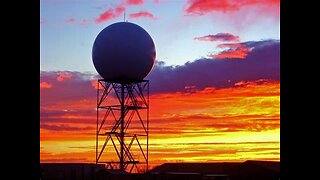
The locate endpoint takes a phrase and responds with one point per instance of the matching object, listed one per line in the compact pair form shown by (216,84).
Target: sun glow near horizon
(230,124)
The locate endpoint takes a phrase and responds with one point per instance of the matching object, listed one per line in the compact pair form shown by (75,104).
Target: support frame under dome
(123,125)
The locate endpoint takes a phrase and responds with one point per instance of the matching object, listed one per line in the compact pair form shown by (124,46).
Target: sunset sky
(214,90)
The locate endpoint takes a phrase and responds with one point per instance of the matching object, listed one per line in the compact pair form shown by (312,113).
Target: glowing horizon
(230,124)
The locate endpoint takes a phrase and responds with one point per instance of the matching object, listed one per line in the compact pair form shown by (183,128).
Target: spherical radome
(123,51)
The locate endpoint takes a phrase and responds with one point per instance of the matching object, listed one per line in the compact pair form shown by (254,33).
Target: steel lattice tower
(122,136)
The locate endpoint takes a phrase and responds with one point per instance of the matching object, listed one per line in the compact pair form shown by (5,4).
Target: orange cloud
(237,50)
(45,85)
(63,76)
(94,84)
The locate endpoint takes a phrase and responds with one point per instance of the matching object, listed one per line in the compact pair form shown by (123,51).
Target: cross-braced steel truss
(122,136)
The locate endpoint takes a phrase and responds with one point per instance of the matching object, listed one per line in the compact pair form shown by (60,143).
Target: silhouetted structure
(69,171)
(249,170)
(130,108)
(123,54)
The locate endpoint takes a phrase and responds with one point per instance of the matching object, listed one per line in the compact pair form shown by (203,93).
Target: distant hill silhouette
(248,170)
(260,170)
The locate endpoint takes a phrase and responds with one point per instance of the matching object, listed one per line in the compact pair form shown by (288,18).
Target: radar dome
(123,51)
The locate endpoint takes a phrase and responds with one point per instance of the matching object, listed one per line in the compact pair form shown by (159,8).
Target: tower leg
(122,128)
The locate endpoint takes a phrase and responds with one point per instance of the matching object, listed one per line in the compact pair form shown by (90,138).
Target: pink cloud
(143,14)
(218,37)
(45,85)
(202,7)
(109,14)
(105,16)
(119,10)
(70,20)
(156,1)
(112,13)
(134,2)
(62,76)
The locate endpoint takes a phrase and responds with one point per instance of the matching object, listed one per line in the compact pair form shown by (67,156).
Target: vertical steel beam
(122,128)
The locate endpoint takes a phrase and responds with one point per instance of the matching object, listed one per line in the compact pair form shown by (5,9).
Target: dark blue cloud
(218,37)
(263,62)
